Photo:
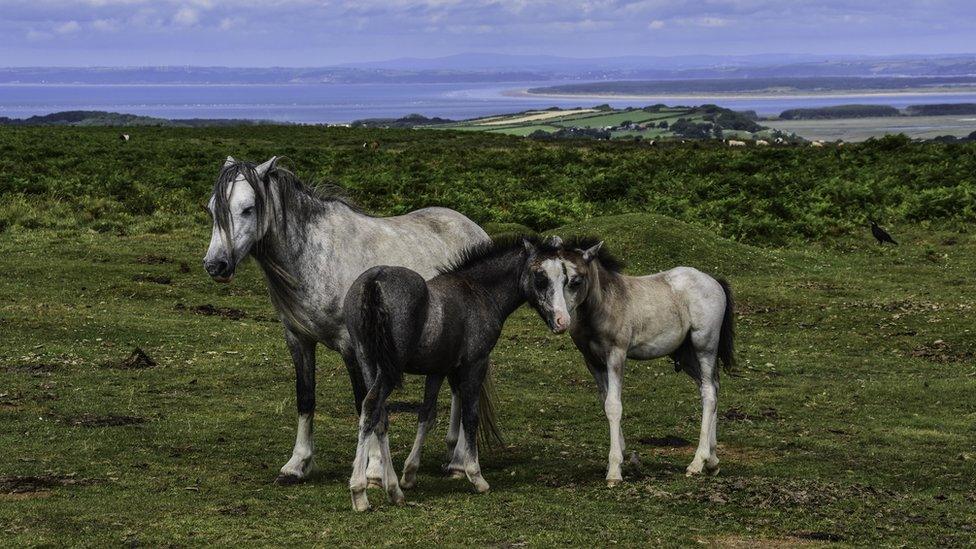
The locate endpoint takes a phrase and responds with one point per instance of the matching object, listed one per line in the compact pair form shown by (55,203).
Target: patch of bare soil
(210,310)
(107,420)
(941,352)
(34,368)
(771,493)
(137,360)
(744,542)
(29,484)
(737,414)
(153,259)
(669,441)
(155,279)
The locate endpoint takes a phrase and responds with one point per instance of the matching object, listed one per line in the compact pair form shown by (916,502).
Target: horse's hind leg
(456,454)
(390,483)
(705,458)
(426,420)
(358,481)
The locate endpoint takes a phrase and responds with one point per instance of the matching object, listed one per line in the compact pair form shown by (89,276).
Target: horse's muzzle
(219,270)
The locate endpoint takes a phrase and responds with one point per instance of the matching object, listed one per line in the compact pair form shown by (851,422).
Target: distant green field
(522,124)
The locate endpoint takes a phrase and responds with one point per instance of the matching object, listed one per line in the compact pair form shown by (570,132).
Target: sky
(256,33)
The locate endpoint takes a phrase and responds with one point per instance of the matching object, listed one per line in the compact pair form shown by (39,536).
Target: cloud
(656,24)
(67,27)
(186,17)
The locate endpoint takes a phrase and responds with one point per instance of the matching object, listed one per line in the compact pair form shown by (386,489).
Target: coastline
(525,93)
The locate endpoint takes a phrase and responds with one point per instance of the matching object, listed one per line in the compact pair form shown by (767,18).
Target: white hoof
(295,471)
(360,502)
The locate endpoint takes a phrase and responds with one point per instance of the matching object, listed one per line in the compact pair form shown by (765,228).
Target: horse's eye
(247,211)
(575,282)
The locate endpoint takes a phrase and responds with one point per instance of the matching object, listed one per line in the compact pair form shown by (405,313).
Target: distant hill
(941,109)
(102,118)
(840,111)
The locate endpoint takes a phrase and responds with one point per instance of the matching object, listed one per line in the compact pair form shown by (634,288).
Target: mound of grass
(650,243)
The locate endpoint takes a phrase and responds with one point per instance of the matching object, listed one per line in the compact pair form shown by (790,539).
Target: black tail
(377,338)
(488,430)
(726,339)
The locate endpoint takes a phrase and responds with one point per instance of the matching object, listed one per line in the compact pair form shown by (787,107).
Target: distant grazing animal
(683,313)
(762,143)
(881,235)
(444,327)
(372,145)
(734,143)
(650,143)
(123,136)
(311,245)
(817,144)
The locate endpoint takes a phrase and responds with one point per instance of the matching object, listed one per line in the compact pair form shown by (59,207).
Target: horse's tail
(726,339)
(488,430)
(379,348)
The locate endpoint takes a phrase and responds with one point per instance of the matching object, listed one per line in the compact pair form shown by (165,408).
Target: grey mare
(442,328)
(311,244)
(682,312)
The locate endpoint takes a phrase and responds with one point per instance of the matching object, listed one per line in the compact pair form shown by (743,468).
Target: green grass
(853,432)
(851,414)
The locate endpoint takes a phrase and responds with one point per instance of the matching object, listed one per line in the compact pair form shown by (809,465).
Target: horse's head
(544,281)
(580,272)
(240,218)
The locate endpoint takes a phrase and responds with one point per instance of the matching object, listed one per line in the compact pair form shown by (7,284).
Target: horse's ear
(529,247)
(263,169)
(592,252)
(229,162)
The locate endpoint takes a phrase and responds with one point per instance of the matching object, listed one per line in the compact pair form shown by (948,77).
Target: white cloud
(67,27)
(656,24)
(105,25)
(186,17)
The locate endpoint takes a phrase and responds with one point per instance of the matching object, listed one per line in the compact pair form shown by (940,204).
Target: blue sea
(339,103)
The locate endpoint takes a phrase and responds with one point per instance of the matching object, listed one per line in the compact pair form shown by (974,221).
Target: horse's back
(445,221)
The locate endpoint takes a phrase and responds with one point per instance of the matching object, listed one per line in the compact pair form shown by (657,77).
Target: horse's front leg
(426,420)
(469,393)
(301,462)
(613,407)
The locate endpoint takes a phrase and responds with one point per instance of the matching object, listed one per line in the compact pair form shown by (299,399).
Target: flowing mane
(497,247)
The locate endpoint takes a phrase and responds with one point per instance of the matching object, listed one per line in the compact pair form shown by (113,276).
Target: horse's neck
(604,288)
(499,280)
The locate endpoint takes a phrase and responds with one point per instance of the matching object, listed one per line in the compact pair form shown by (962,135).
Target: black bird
(881,234)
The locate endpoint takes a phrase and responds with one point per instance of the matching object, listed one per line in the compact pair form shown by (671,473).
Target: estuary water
(341,103)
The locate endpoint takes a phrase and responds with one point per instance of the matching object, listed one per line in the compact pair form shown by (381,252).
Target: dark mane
(607,259)
(497,247)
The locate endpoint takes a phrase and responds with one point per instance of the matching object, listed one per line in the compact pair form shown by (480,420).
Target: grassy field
(859,129)
(850,420)
(522,124)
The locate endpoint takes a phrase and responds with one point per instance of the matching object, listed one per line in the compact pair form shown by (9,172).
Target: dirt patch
(108,420)
(28,484)
(34,368)
(155,279)
(737,414)
(941,352)
(820,536)
(153,259)
(750,543)
(210,310)
(670,441)
(184,267)
(774,493)
(137,360)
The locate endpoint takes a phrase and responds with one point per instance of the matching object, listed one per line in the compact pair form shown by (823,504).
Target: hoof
(481,486)
(396,498)
(408,483)
(360,502)
(288,479)
(613,482)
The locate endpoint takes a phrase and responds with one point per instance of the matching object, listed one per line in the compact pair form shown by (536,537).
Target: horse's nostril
(215,268)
